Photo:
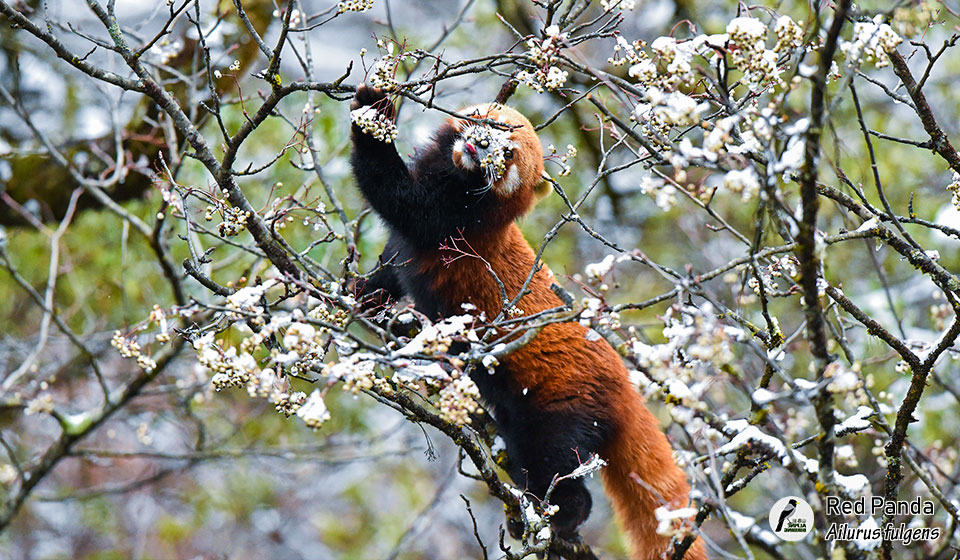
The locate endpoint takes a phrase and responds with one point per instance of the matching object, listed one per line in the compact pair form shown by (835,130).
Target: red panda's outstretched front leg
(381,173)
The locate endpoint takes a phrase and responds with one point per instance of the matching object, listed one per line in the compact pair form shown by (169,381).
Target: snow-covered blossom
(314,412)
(626,5)
(384,71)
(248,299)
(670,521)
(742,181)
(696,340)
(665,195)
(596,271)
(747,434)
(437,337)
(305,340)
(544,55)
(789,34)
(229,368)
(357,372)
(459,399)
(872,40)
(749,53)
(374,123)
(678,58)
(666,110)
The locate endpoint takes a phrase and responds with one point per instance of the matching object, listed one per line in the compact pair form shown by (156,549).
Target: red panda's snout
(507,153)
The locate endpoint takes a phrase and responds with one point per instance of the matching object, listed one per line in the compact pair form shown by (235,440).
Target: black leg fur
(535,460)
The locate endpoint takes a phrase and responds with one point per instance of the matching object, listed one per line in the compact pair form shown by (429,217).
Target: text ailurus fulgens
(562,396)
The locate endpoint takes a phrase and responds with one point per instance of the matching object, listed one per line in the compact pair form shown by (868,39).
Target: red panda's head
(507,152)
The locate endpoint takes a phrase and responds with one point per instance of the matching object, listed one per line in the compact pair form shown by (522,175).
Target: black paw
(367,96)
(515,527)
(574,502)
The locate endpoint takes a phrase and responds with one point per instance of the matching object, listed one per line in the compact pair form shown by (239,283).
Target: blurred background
(183,471)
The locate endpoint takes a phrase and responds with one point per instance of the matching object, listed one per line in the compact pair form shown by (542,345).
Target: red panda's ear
(544,187)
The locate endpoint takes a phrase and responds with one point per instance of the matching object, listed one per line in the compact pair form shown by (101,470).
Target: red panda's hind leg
(545,444)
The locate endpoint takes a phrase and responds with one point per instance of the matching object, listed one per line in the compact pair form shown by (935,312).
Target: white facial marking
(511,181)
(465,161)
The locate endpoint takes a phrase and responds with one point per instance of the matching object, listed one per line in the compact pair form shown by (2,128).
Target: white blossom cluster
(674,522)
(667,110)
(239,368)
(374,123)
(676,59)
(743,182)
(459,398)
(954,189)
(166,50)
(594,314)
(749,53)
(383,74)
(358,372)
(544,54)
(160,318)
(789,35)
(41,404)
(696,340)
(229,368)
(436,338)
(663,193)
(314,411)
(871,43)
(785,267)
(625,52)
(130,348)
(354,6)
(248,300)
(563,158)
(234,221)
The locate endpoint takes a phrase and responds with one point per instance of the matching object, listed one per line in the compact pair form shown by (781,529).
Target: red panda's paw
(367,96)
(574,502)
(514,527)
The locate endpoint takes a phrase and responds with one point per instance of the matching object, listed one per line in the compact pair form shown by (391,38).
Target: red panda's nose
(471,149)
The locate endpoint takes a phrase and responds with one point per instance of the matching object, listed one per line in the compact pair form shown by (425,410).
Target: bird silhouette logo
(785,514)
(791,518)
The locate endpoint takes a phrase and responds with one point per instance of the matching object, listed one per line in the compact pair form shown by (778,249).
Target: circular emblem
(791,518)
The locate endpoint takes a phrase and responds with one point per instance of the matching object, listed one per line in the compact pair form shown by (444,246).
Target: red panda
(564,395)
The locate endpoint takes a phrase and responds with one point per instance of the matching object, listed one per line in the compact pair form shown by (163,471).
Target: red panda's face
(507,154)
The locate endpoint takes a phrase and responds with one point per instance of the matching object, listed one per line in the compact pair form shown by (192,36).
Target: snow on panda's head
(505,149)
